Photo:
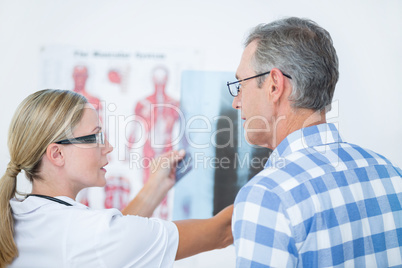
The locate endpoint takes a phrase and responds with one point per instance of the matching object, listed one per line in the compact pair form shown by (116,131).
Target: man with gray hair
(326,202)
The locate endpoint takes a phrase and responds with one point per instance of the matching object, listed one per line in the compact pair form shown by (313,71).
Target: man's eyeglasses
(234,87)
(98,138)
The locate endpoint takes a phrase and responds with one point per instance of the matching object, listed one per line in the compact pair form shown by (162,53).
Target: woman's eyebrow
(98,128)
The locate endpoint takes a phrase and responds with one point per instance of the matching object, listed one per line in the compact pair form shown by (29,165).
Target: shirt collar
(316,135)
(33,202)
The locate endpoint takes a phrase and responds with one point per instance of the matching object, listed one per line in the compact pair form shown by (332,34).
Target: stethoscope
(51,199)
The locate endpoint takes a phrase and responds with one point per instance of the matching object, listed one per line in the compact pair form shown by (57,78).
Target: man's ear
(55,154)
(277,85)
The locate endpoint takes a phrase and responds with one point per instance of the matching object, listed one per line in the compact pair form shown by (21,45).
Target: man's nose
(236,104)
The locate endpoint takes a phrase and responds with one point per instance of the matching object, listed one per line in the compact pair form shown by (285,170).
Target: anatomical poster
(137,96)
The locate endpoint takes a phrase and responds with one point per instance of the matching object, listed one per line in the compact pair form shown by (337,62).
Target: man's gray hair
(303,50)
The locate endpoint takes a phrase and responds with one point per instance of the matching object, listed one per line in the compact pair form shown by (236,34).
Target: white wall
(366,34)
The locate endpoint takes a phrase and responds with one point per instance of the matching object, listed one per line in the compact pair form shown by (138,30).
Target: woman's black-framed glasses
(234,87)
(98,138)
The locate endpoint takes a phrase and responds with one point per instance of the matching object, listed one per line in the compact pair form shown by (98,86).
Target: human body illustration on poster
(160,112)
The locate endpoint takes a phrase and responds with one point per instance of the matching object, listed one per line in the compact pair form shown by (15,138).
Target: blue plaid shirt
(320,202)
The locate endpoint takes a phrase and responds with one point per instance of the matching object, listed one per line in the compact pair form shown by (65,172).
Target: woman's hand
(161,180)
(163,171)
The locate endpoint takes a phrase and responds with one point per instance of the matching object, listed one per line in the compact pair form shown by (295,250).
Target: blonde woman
(56,138)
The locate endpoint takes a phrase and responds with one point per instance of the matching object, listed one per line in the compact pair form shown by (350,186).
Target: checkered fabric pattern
(320,202)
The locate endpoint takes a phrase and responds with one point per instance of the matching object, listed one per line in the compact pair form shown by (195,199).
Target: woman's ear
(55,154)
